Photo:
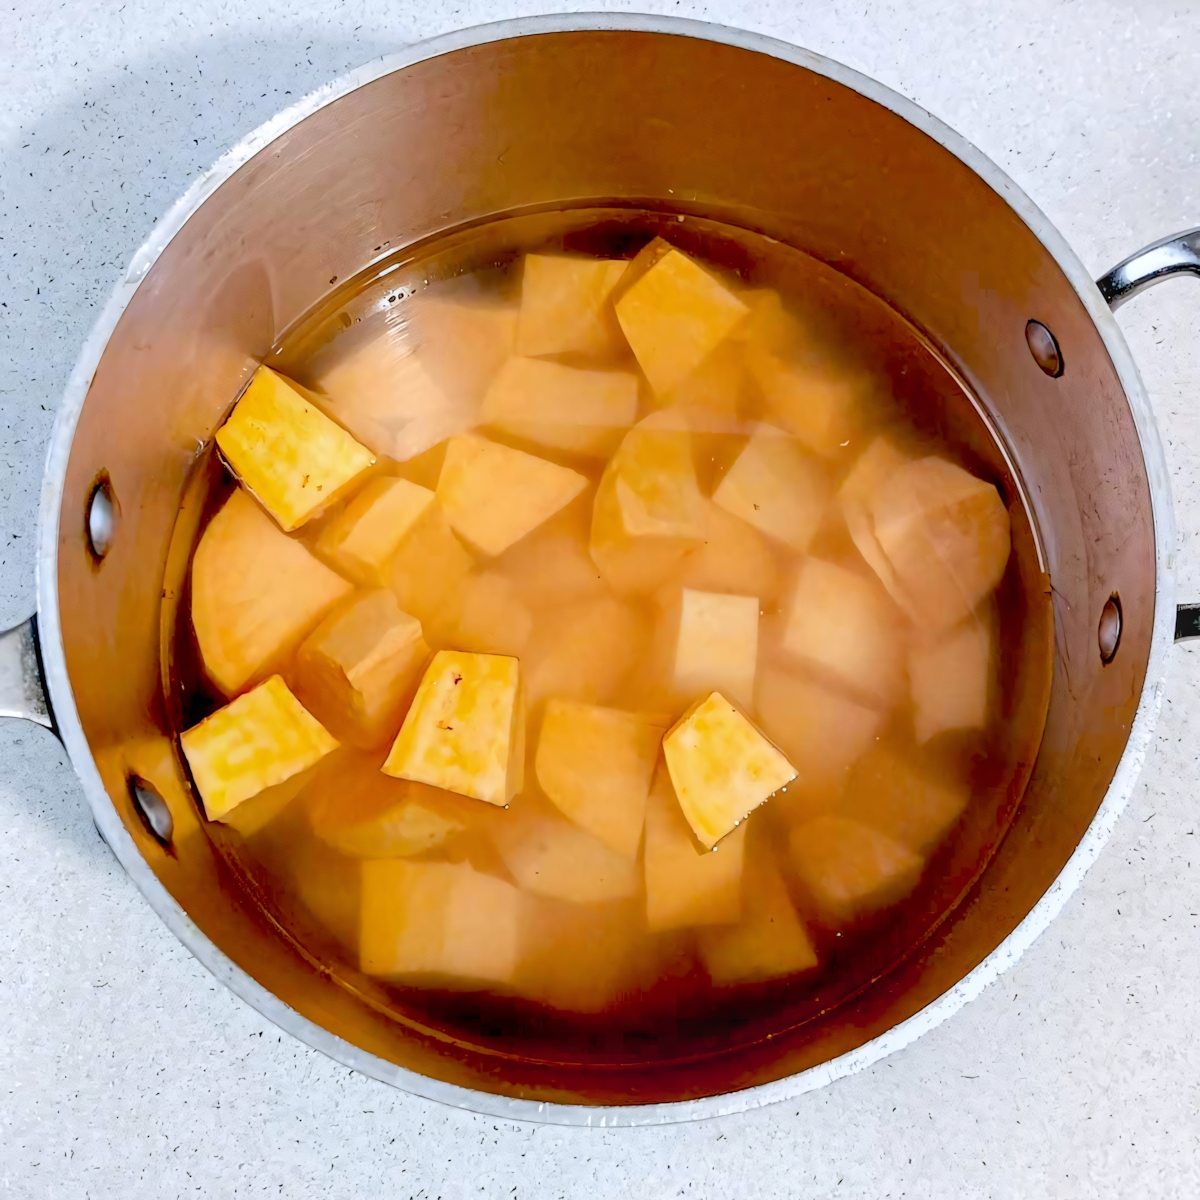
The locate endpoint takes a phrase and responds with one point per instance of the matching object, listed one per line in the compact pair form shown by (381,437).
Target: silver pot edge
(1000,960)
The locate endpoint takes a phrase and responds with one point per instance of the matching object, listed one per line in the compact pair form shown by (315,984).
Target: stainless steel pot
(674,115)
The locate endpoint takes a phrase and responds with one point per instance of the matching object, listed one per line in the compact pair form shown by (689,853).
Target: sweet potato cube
(584,650)
(914,806)
(721,767)
(674,315)
(566,306)
(582,958)
(849,868)
(571,409)
(880,458)
(357,671)
(734,557)
(685,884)
(817,406)
(463,335)
(364,537)
(444,923)
(945,535)
(261,812)
(384,393)
(649,511)
(950,680)
(768,942)
(254,742)
(488,616)
(493,495)
(822,732)
(255,592)
(549,856)
(363,813)
(845,629)
(769,325)
(287,452)
(595,765)
(776,487)
(552,565)
(717,645)
(462,728)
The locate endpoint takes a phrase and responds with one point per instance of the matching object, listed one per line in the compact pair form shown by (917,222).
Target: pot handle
(1178,254)
(22,686)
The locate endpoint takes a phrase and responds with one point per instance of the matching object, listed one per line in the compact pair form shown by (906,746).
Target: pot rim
(486,1103)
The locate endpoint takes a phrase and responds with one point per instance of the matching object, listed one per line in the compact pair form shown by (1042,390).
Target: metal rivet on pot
(152,809)
(1043,345)
(1109,633)
(101,517)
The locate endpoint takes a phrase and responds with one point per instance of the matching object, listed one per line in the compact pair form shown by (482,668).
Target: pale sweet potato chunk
(685,884)
(871,468)
(822,732)
(595,765)
(360,812)
(254,742)
(550,856)
(915,806)
(950,679)
(710,398)
(770,326)
(649,511)
(674,314)
(463,336)
(717,645)
(464,731)
(440,922)
(734,557)
(487,615)
(287,452)
(255,592)
(844,628)
(552,565)
(945,535)
(493,495)
(768,942)
(357,671)
(362,539)
(384,393)
(261,812)
(566,306)
(849,868)
(584,650)
(721,768)
(776,487)
(583,958)
(570,409)
(816,405)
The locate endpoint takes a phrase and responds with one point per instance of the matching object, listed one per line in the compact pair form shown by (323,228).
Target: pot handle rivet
(152,809)
(1043,345)
(1109,632)
(101,517)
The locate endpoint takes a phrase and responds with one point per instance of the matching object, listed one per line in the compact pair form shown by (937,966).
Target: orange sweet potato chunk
(566,306)
(357,671)
(255,592)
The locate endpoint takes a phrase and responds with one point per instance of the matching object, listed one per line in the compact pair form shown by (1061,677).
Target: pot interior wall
(671,121)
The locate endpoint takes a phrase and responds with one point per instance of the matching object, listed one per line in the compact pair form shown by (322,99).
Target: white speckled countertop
(126,1071)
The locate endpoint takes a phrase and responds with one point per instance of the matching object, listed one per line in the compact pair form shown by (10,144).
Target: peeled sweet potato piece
(775,486)
(674,313)
(721,768)
(945,535)
(287,452)
(493,495)
(595,765)
(255,592)
(716,648)
(566,306)
(843,627)
(255,742)
(357,671)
